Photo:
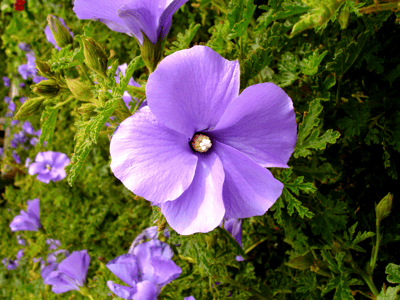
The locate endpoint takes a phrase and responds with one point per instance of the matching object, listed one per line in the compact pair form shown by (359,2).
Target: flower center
(48,167)
(200,143)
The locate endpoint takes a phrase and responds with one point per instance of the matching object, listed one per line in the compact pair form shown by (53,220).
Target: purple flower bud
(189,298)
(49,166)
(29,220)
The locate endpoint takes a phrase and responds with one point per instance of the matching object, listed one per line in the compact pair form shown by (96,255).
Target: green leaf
(288,67)
(389,294)
(309,136)
(135,64)
(232,242)
(309,66)
(254,63)
(88,29)
(63,59)
(393,272)
(240,27)
(183,40)
(48,125)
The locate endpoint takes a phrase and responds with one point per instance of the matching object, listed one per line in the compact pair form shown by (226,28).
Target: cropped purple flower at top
(146,271)
(29,220)
(70,274)
(152,17)
(199,150)
(49,34)
(49,166)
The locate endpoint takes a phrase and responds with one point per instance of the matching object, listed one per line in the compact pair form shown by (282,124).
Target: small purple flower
(152,17)
(28,69)
(6,81)
(16,157)
(53,244)
(7,99)
(27,127)
(49,34)
(22,99)
(49,166)
(20,253)
(70,274)
(9,263)
(19,139)
(234,227)
(1,151)
(34,141)
(12,106)
(146,271)
(147,234)
(29,220)
(21,241)
(37,78)
(14,122)
(24,47)
(209,148)
(189,298)
(22,85)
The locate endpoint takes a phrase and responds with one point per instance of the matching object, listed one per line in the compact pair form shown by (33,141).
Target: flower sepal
(95,56)
(60,33)
(29,107)
(151,53)
(80,89)
(46,88)
(44,69)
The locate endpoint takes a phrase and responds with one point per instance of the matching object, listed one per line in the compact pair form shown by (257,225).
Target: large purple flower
(29,220)
(49,34)
(146,271)
(199,150)
(152,17)
(70,274)
(49,166)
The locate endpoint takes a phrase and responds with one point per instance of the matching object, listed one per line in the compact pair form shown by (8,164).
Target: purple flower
(9,263)
(152,17)
(24,47)
(27,127)
(11,106)
(27,162)
(20,253)
(37,78)
(147,234)
(14,122)
(28,69)
(6,81)
(189,298)
(146,271)
(19,139)
(22,85)
(49,166)
(29,220)
(1,151)
(53,244)
(16,157)
(199,150)
(234,227)
(7,99)
(21,241)
(22,99)
(70,274)
(49,34)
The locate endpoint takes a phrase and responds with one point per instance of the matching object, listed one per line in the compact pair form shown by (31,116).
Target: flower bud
(60,33)
(80,90)
(29,107)
(301,262)
(344,17)
(95,56)
(87,110)
(46,88)
(44,68)
(384,207)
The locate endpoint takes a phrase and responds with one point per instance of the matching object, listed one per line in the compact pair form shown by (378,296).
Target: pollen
(48,167)
(200,143)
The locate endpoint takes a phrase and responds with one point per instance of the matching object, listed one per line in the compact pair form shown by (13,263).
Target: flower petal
(165,21)
(60,160)
(104,11)
(190,89)
(44,177)
(165,270)
(20,223)
(200,208)
(125,267)
(33,208)
(36,167)
(249,189)
(76,265)
(145,291)
(58,289)
(125,292)
(260,123)
(150,159)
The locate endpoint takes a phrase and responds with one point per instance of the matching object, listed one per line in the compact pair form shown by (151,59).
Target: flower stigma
(48,167)
(200,143)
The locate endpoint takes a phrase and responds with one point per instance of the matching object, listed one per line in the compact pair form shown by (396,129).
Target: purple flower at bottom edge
(49,166)
(131,17)
(189,298)
(49,34)
(146,271)
(213,145)
(29,220)
(6,81)
(70,274)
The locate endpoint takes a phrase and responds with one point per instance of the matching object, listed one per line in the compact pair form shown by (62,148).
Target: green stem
(376,8)
(367,278)
(242,287)
(364,294)
(84,72)
(375,251)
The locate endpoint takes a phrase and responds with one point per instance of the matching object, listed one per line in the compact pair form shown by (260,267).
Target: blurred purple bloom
(22,99)
(52,262)
(152,17)
(1,151)
(28,69)
(49,34)
(7,99)
(9,263)
(34,141)
(147,234)
(189,298)
(14,122)
(37,78)
(6,81)
(19,139)
(16,157)
(21,241)
(24,47)
(27,162)
(27,127)
(49,166)
(20,253)
(22,85)
(209,148)
(146,271)
(12,106)
(70,274)
(29,220)
(53,244)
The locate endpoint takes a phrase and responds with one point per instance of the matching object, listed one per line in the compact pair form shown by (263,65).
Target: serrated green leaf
(294,203)
(254,63)
(309,66)
(343,291)
(308,136)
(48,126)
(288,69)
(88,29)
(62,59)
(389,294)
(135,64)
(332,284)
(183,40)
(393,272)
(232,242)
(239,28)
(298,184)
(362,236)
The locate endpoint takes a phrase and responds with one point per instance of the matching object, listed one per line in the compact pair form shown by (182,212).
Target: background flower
(245,133)
(29,220)
(152,17)
(49,166)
